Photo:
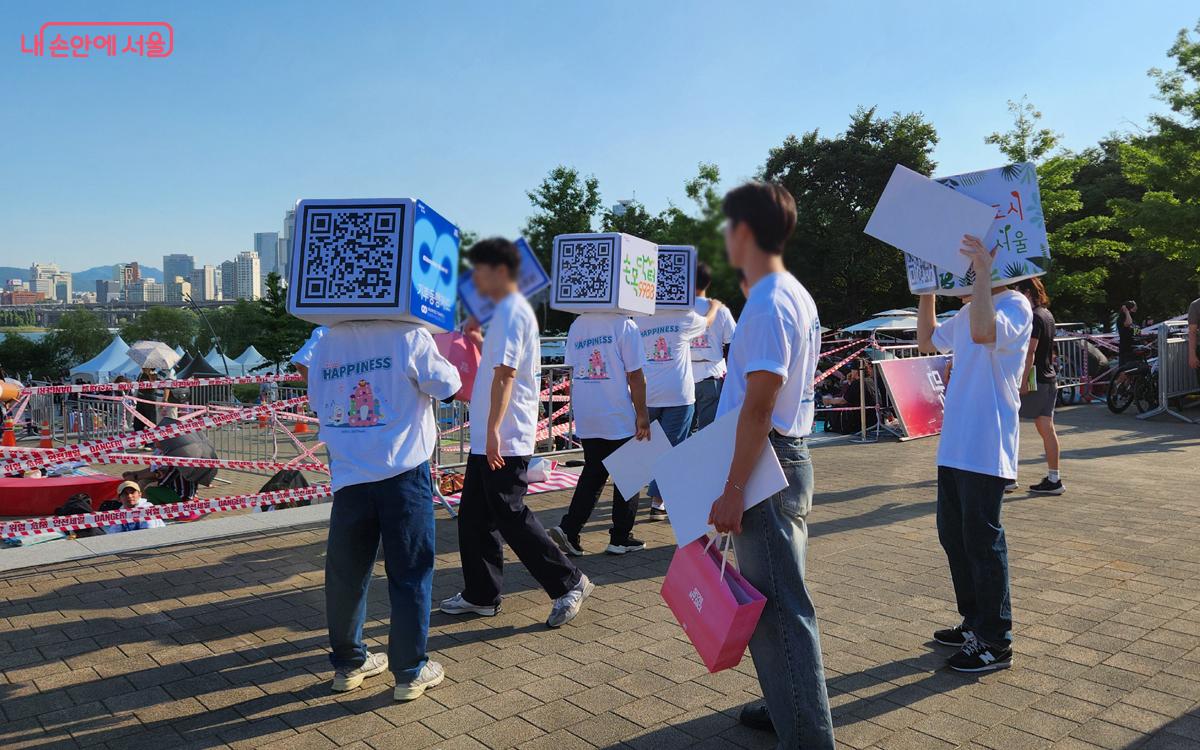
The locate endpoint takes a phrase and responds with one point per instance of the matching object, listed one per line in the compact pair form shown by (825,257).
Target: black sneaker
(630,544)
(567,544)
(657,514)
(977,656)
(756,717)
(955,636)
(1046,487)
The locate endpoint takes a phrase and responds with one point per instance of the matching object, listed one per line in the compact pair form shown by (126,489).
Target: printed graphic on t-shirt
(660,352)
(594,368)
(701,341)
(354,406)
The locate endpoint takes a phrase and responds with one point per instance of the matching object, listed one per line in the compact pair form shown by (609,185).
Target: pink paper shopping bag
(461,352)
(717,608)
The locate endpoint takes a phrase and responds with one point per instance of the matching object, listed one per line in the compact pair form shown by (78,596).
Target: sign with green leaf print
(1018,234)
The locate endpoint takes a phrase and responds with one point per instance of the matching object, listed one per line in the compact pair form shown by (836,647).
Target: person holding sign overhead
(977,456)
(772,361)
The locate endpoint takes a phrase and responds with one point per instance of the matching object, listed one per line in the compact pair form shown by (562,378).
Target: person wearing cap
(130,495)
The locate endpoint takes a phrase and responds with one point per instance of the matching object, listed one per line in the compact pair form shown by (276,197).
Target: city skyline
(167,172)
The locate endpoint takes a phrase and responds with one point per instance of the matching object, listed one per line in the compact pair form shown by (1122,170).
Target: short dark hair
(496,251)
(767,208)
(703,276)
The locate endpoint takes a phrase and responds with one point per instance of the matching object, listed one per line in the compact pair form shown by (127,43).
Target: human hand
(643,428)
(473,331)
(726,513)
(494,459)
(1193,361)
(981,259)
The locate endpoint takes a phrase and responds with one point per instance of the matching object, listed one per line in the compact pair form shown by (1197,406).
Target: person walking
(608,399)
(504,408)
(977,456)
(382,491)
(708,351)
(772,362)
(1039,383)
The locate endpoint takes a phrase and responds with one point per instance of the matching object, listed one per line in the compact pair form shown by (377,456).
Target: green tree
(78,336)
(1164,221)
(631,217)
(237,326)
(174,326)
(283,333)
(703,231)
(21,357)
(836,182)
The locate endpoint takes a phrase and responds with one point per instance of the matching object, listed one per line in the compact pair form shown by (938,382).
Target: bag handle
(724,550)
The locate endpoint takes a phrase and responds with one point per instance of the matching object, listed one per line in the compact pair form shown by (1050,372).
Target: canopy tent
(106,365)
(224,365)
(179,350)
(184,361)
(251,359)
(890,323)
(899,312)
(198,368)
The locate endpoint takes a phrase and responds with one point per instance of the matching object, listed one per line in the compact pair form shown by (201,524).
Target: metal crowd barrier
(1175,377)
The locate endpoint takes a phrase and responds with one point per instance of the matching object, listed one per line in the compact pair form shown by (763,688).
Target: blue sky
(467,105)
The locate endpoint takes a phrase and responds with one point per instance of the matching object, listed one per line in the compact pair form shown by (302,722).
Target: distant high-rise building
(177,289)
(206,284)
(44,285)
(178,264)
(42,270)
(249,275)
(46,278)
(127,273)
(266,244)
(285,244)
(145,290)
(108,291)
(229,280)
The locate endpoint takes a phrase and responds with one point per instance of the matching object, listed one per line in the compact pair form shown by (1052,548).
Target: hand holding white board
(928,220)
(691,476)
(631,466)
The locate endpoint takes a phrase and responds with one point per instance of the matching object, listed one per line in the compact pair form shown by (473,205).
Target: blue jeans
(968,523)
(398,511)
(676,422)
(786,645)
(708,394)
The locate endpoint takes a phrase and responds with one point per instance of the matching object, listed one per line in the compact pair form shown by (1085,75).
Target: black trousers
(591,484)
(491,511)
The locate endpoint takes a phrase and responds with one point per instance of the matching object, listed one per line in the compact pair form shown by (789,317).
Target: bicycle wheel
(1120,395)
(1146,393)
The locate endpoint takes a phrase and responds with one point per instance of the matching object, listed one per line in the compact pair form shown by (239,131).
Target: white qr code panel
(676,277)
(350,255)
(605,272)
(373,259)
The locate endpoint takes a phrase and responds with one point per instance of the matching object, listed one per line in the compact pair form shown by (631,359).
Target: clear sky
(467,105)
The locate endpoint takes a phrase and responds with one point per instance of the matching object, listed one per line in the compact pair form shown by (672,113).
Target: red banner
(917,386)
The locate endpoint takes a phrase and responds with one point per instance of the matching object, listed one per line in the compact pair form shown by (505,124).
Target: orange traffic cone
(46,441)
(9,438)
(300,428)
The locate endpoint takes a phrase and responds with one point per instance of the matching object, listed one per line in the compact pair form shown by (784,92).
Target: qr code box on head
(606,272)
(676,277)
(373,259)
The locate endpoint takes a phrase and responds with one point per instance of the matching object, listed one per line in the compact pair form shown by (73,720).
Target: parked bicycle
(1136,383)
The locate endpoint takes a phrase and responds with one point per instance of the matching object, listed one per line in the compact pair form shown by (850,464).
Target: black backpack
(286,479)
(77,505)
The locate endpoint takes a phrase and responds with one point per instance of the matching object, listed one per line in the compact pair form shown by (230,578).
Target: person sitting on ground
(130,495)
(850,422)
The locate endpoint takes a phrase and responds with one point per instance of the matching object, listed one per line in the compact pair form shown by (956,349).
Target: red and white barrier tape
(34,526)
(827,352)
(207,463)
(91,448)
(822,375)
(42,390)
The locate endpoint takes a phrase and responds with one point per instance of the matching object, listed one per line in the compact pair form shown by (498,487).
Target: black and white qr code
(350,255)
(674,277)
(585,270)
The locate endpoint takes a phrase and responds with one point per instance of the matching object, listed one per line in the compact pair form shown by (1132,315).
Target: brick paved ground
(222,644)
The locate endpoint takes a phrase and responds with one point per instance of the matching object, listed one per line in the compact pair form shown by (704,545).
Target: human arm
(473,331)
(983,308)
(754,424)
(501,393)
(1193,334)
(926,323)
(637,392)
(429,371)
(714,307)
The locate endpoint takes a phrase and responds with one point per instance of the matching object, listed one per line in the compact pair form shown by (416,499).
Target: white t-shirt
(980,427)
(304,355)
(777,332)
(708,349)
(370,383)
(666,339)
(153,523)
(601,349)
(511,340)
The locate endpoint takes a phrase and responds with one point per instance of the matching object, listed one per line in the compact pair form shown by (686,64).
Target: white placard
(691,476)
(631,466)
(928,220)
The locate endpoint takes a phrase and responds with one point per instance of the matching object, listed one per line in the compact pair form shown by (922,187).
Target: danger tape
(34,526)
(43,390)
(208,463)
(90,449)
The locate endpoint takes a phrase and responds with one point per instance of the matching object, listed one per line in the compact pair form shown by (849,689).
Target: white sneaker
(431,675)
(564,542)
(456,605)
(348,679)
(567,606)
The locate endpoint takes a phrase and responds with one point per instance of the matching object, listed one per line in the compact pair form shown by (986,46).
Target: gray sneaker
(568,605)
(457,605)
(348,679)
(431,675)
